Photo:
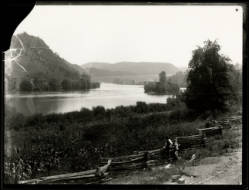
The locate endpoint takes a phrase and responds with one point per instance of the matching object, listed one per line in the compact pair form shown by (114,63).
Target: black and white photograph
(125,94)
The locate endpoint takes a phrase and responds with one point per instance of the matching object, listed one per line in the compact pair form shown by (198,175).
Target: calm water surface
(108,95)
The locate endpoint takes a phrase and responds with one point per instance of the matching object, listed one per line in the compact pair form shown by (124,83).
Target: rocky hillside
(37,57)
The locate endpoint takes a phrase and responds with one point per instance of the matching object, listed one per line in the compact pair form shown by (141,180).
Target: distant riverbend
(108,95)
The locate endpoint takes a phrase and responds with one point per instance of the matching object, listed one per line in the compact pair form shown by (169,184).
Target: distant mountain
(141,68)
(38,62)
(103,72)
(96,65)
(134,71)
(37,57)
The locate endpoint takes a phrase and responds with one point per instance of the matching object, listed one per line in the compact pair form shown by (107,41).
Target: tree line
(37,83)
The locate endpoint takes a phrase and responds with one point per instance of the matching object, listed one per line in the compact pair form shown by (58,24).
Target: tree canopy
(208,84)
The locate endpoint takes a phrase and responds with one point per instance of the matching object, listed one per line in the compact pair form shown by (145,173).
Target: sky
(104,33)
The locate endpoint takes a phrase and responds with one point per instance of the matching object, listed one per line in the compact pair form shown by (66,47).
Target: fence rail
(191,141)
(85,175)
(211,131)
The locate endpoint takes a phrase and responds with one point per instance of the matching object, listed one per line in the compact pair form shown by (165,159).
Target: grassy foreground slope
(219,163)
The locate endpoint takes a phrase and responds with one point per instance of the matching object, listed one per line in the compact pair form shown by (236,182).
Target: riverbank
(108,96)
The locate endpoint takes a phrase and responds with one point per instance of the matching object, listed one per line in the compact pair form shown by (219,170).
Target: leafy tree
(208,84)
(141,107)
(95,84)
(179,78)
(84,81)
(40,81)
(54,84)
(75,85)
(25,85)
(162,78)
(150,87)
(162,83)
(172,88)
(66,84)
(99,111)
(235,77)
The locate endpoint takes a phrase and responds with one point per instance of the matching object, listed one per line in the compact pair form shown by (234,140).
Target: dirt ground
(225,169)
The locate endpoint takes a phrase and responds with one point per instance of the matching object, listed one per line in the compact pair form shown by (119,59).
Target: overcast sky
(83,34)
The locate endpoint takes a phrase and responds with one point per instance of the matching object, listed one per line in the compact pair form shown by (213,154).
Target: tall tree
(162,78)
(54,84)
(84,81)
(66,84)
(208,84)
(162,82)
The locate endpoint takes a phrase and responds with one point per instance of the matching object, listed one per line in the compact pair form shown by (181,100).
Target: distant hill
(135,67)
(37,61)
(37,57)
(138,71)
(103,72)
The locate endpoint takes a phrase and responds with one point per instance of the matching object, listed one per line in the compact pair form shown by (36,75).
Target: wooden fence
(129,162)
(88,176)
(140,159)
(191,141)
(211,131)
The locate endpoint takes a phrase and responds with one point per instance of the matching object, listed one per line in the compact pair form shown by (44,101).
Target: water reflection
(108,95)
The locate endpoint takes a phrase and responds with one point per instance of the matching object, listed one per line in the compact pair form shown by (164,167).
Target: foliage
(162,77)
(162,87)
(235,78)
(95,85)
(56,143)
(15,170)
(38,83)
(180,78)
(208,85)
(25,85)
(53,84)
(66,84)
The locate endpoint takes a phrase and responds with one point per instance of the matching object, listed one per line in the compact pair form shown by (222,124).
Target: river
(108,95)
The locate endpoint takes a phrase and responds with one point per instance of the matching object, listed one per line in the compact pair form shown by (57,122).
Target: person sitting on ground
(174,156)
(100,171)
(172,150)
(168,144)
(176,149)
